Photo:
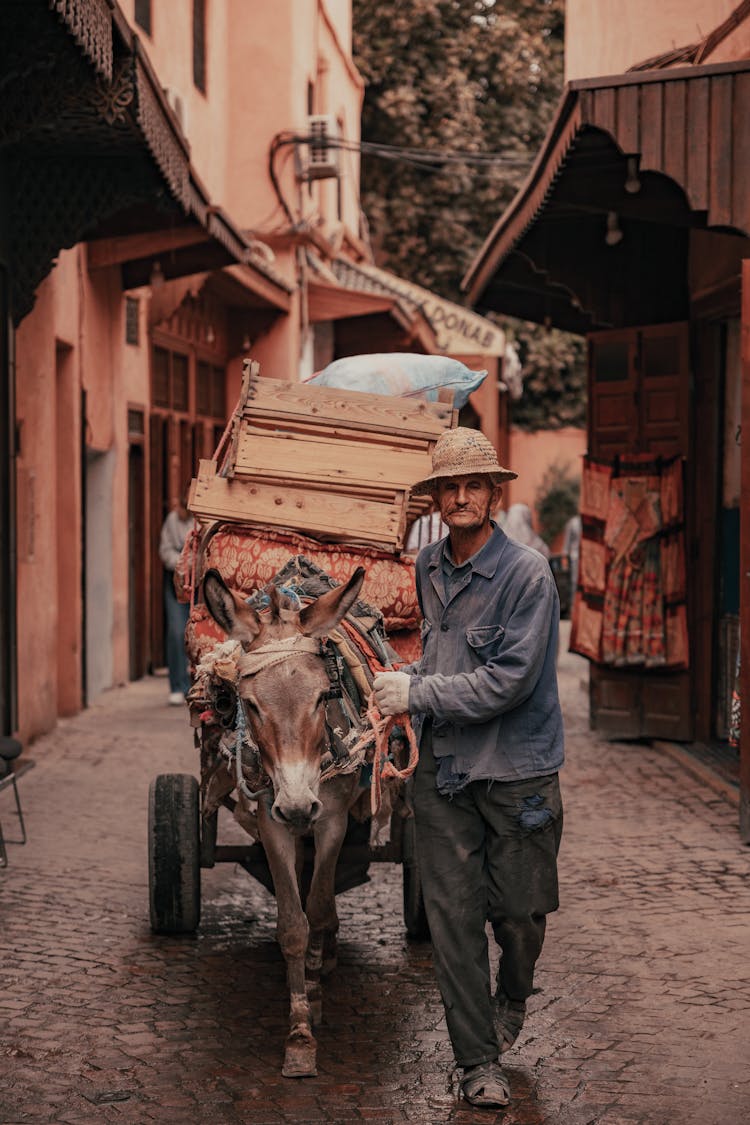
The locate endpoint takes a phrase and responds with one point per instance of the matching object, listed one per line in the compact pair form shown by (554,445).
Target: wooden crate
(330,463)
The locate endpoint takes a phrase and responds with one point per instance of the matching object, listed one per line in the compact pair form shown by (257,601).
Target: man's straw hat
(461,452)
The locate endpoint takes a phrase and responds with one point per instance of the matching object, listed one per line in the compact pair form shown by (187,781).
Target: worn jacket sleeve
(505,680)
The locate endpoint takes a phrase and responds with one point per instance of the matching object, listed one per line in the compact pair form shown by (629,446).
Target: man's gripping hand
(391,690)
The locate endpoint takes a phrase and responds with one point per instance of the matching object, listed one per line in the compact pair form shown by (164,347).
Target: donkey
(283,696)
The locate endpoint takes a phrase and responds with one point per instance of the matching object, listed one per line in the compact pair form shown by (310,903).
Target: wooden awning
(89,23)
(329,302)
(91,150)
(643,155)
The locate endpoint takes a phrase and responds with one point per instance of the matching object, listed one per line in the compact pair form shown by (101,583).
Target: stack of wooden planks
(334,464)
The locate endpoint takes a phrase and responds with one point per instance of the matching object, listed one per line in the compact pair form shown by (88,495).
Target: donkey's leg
(321,905)
(292,931)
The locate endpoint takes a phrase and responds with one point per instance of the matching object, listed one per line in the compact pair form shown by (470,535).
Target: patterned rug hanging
(629,607)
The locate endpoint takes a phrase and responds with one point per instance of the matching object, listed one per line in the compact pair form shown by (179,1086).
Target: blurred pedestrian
(519,525)
(427,529)
(174,532)
(572,548)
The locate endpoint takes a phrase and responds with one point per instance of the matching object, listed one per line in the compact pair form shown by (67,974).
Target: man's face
(466,502)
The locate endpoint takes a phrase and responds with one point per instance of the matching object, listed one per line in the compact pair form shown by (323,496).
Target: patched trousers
(488,853)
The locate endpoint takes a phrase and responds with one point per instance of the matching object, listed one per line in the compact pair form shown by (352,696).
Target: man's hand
(391,690)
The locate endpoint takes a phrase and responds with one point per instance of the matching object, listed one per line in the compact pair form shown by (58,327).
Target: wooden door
(639,382)
(137,540)
(745,564)
(158,506)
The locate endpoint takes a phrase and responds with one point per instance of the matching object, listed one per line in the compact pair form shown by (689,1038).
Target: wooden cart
(334,465)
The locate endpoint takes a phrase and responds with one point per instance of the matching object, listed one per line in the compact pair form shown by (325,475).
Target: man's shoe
(508,1016)
(486,1085)
(176,699)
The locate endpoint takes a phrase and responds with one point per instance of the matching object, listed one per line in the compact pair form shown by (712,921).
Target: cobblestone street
(643,1006)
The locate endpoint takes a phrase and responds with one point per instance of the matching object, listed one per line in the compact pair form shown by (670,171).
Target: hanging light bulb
(614,234)
(156,277)
(246,343)
(210,334)
(632,184)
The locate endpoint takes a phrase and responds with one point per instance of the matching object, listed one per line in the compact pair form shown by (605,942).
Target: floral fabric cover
(248,558)
(629,607)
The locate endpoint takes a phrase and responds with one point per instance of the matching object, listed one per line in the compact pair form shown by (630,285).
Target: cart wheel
(174,854)
(415,916)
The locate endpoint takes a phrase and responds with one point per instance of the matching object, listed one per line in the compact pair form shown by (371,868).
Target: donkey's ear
(228,610)
(322,615)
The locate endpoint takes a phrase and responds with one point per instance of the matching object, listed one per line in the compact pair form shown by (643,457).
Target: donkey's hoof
(300,1060)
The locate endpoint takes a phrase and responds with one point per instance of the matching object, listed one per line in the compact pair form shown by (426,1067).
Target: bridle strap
(276,652)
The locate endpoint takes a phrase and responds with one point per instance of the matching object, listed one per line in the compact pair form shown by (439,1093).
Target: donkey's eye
(252,706)
(322,698)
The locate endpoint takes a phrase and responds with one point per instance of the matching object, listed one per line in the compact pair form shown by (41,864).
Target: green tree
(466,77)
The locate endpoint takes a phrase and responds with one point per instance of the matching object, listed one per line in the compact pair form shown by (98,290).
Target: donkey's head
(283,686)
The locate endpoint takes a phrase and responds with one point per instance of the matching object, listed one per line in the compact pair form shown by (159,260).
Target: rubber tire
(415,916)
(174,854)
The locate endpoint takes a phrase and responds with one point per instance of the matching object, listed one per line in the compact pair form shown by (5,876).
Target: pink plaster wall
(72,340)
(606,36)
(37,602)
(260,58)
(531,454)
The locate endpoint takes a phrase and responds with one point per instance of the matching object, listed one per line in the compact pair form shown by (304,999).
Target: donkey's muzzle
(298,816)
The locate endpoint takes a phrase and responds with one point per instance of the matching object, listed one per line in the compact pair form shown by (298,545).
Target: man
(174,532)
(486,796)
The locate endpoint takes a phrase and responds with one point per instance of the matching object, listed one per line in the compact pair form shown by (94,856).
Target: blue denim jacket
(488,676)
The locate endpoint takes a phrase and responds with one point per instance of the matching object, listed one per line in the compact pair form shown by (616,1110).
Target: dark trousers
(489,853)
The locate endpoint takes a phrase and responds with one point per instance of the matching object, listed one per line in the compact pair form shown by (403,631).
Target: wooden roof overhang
(328,302)
(90,149)
(662,152)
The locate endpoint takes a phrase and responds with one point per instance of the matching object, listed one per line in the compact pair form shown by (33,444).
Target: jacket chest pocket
(485,641)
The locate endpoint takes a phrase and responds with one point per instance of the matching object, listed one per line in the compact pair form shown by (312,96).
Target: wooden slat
(366,492)
(324,514)
(741,153)
(417,418)
(628,120)
(697,144)
(310,430)
(604,109)
(675,115)
(347,462)
(720,155)
(651,126)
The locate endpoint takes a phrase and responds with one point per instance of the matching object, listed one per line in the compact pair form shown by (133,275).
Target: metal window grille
(136,423)
(131,321)
(143,15)
(199,44)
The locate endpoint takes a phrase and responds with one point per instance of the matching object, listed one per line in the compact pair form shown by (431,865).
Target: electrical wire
(429,156)
(428,160)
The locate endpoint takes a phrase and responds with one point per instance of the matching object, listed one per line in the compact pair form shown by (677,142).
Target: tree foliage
(557,499)
(554,377)
(466,76)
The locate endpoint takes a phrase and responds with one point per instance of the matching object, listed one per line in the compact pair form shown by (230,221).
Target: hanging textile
(735,720)
(629,607)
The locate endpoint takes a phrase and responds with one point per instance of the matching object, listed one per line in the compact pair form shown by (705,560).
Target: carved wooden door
(639,382)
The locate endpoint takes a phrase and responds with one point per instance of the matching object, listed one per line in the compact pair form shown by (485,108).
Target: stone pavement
(642,1013)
